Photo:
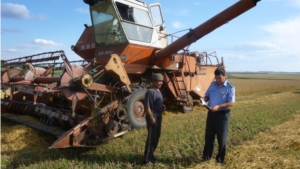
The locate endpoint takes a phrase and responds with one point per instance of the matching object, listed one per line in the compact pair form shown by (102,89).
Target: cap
(157,76)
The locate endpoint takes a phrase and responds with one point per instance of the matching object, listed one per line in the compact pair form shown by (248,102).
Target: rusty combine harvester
(101,97)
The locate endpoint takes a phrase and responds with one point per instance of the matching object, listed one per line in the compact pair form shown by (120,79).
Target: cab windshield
(136,22)
(107,29)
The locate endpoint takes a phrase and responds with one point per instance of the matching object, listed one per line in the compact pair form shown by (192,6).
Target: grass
(258,109)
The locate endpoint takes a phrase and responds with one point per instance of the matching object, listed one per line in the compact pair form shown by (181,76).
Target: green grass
(182,139)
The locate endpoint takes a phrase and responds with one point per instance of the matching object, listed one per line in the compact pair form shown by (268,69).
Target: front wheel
(136,109)
(188,107)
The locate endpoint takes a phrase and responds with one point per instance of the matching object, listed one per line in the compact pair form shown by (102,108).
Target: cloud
(41,17)
(13,30)
(177,24)
(182,12)
(197,3)
(11,50)
(14,11)
(38,43)
(295,3)
(230,56)
(254,46)
(45,42)
(285,34)
(81,10)
(34,47)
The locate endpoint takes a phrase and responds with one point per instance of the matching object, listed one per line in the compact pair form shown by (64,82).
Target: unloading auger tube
(205,28)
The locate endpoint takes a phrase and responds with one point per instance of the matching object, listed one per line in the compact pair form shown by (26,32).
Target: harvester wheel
(122,113)
(188,107)
(112,127)
(136,110)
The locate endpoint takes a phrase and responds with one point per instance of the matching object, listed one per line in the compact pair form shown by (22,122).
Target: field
(264,133)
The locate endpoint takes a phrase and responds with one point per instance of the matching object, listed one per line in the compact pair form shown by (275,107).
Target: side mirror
(161,28)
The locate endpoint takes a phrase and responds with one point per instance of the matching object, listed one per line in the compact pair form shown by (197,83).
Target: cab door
(159,23)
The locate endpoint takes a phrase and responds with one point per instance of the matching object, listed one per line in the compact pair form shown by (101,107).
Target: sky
(265,38)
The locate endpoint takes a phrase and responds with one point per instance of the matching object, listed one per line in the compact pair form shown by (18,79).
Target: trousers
(216,124)
(153,137)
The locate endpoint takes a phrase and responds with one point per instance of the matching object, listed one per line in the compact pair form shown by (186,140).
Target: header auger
(99,98)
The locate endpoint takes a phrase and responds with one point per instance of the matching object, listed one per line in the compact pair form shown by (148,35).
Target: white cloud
(11,50)
(255,46)
(177,24)
(182,12)
(295,3)
(81,10)
(35,47)
(45,42)
(235,57)
(41,17)
(285,34)
(14,30)
(14,11)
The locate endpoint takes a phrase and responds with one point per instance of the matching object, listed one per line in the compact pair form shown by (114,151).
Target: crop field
(264,132)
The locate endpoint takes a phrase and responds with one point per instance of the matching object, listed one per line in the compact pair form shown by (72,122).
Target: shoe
(218,163)
(154,159)
(148,163)
(203,160)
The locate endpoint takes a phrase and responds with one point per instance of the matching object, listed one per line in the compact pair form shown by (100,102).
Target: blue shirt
(220,94)
(154,100)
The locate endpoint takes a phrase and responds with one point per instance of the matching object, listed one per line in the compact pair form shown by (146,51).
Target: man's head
(157,80)
(220,75)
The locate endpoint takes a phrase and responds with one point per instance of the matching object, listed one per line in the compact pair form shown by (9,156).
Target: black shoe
(219,164)
(154,159)
(204,159)
(148,163)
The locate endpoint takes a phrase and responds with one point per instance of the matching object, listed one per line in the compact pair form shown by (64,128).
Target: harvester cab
(122,22)
(101,97)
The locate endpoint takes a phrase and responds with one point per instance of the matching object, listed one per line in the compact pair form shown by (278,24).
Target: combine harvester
(88,102)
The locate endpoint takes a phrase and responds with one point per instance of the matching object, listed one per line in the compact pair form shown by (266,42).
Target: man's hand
(164,108)
(222,106)
(215,108)
(153,121)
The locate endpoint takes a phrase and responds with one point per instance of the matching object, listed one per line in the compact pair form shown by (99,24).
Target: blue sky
(265,38)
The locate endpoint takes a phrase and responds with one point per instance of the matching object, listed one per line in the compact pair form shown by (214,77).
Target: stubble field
(264,133)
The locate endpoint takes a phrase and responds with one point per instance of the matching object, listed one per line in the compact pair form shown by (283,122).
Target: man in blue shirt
(221,96)
(153,107)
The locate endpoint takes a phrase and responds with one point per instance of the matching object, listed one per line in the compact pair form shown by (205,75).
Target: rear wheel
(188,107)
(136,109)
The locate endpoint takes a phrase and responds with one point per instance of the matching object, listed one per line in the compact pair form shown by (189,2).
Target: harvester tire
(136,111)
(188,108)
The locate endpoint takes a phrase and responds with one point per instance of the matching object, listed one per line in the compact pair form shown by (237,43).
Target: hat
(157,76)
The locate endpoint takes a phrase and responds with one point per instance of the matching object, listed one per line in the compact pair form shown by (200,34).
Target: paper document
(204,104)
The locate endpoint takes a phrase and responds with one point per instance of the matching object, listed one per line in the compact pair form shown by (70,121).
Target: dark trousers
(153,138)
(216,124)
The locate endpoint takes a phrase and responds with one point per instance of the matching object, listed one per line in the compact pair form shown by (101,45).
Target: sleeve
(148,101)
(207,91)
(231,95)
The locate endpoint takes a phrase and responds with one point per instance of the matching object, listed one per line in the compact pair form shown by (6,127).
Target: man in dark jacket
(153,107)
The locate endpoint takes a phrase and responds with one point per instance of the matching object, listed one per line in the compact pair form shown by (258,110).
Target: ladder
(180,86)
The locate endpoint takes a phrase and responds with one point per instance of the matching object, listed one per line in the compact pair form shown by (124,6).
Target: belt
(223,111)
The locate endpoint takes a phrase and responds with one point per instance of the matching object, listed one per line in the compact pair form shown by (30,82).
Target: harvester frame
(101,97)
